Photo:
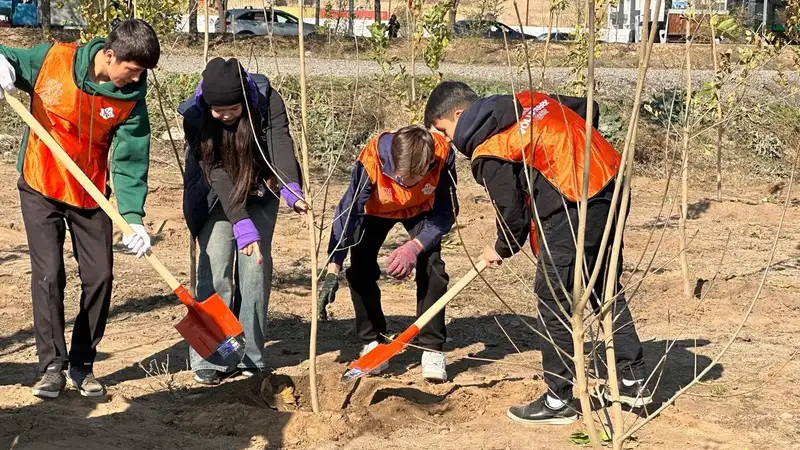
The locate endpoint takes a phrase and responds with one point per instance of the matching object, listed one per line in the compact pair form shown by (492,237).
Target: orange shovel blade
(211,329)
(379,355)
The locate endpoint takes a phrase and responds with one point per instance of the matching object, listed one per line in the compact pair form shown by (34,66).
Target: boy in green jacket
(90,99)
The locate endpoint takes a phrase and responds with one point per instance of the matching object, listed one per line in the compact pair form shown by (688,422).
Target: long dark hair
(232,149)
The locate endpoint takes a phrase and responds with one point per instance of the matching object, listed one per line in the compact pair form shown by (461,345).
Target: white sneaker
(368,348)
(433,367)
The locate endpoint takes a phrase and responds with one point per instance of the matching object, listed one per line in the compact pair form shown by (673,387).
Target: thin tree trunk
(453,12)
(223,24)
(193,33)
(351,15)
(687,288)
(205,33)
(546,47)
(720,125)
(412,22)
(312,348)
(44,9)
(316,12)
(377,11)
(610,290)
(527,11)
(578,308)
(525,49)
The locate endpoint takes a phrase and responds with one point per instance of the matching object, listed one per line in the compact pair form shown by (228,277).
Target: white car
(253,21)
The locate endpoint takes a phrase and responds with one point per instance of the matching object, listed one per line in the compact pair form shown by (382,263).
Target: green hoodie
(131,143)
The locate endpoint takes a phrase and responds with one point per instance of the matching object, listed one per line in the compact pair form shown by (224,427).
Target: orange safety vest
(82,123)
(390,199)
(551,138)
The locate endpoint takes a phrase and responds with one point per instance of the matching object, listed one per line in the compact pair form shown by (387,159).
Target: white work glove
(7,76)
(139,242)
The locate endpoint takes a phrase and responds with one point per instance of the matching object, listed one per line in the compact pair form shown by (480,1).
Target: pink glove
(403,260)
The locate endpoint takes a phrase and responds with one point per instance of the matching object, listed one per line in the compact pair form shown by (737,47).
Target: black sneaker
(539,413)
(84,381)
(209,377)
(50,384)
(636,396)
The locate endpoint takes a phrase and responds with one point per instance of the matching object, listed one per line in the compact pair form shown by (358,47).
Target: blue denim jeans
(246,290)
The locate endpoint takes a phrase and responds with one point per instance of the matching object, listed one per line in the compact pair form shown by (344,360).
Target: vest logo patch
(428,189)
(387,193)
(528,114)
(107,113)
(51,92)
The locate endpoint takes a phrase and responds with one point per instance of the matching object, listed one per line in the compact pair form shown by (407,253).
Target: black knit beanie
(222,82)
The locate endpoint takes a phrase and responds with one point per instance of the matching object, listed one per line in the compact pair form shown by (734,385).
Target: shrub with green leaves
(436,23)
(611,124)
(666,108)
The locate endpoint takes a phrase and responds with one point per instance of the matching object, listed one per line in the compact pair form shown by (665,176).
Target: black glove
(327,294)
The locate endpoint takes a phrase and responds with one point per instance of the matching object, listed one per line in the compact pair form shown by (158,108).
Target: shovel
(209,327)
(384,352)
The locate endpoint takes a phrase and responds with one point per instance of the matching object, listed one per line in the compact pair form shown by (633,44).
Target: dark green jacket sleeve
(130,163)
(26,63)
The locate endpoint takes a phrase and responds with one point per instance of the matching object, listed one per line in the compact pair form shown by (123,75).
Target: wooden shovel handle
(450,294)
(87,184)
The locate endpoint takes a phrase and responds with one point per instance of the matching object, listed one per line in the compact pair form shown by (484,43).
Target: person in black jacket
(526,151)
(239,151)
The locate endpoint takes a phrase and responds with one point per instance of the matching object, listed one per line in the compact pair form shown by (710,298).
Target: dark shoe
(209,377)
(539,413)
(50,384)
(636,396)
(84,381)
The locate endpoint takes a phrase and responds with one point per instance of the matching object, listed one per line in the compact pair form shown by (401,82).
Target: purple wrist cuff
(245,233)
(288,193)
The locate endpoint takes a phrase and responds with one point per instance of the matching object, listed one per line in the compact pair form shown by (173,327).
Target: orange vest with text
(392,200)
(82,123)
(551,138)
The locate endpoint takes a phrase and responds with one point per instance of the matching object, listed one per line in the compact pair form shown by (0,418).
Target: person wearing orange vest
(528,152)
(406,177)
(90,99)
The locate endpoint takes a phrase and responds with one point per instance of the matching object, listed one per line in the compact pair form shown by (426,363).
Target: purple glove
(288,193)
(403,260)
(245,233)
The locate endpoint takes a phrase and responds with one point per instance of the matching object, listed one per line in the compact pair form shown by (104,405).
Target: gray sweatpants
(250,298)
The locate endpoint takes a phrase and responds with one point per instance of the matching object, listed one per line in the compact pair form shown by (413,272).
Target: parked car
(556,36)
(253,21)
(487,29)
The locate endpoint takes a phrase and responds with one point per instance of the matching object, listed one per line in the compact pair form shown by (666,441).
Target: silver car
(253,21)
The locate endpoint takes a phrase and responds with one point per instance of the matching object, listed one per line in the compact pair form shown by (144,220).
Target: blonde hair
(412,151)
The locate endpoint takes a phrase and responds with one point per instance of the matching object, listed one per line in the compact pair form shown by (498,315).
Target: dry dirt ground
(748,401)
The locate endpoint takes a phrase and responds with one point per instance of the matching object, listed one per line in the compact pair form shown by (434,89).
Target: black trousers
(45,225)
(364,272)
(557,266)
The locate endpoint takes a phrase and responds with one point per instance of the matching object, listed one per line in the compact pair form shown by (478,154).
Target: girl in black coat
(239,153)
